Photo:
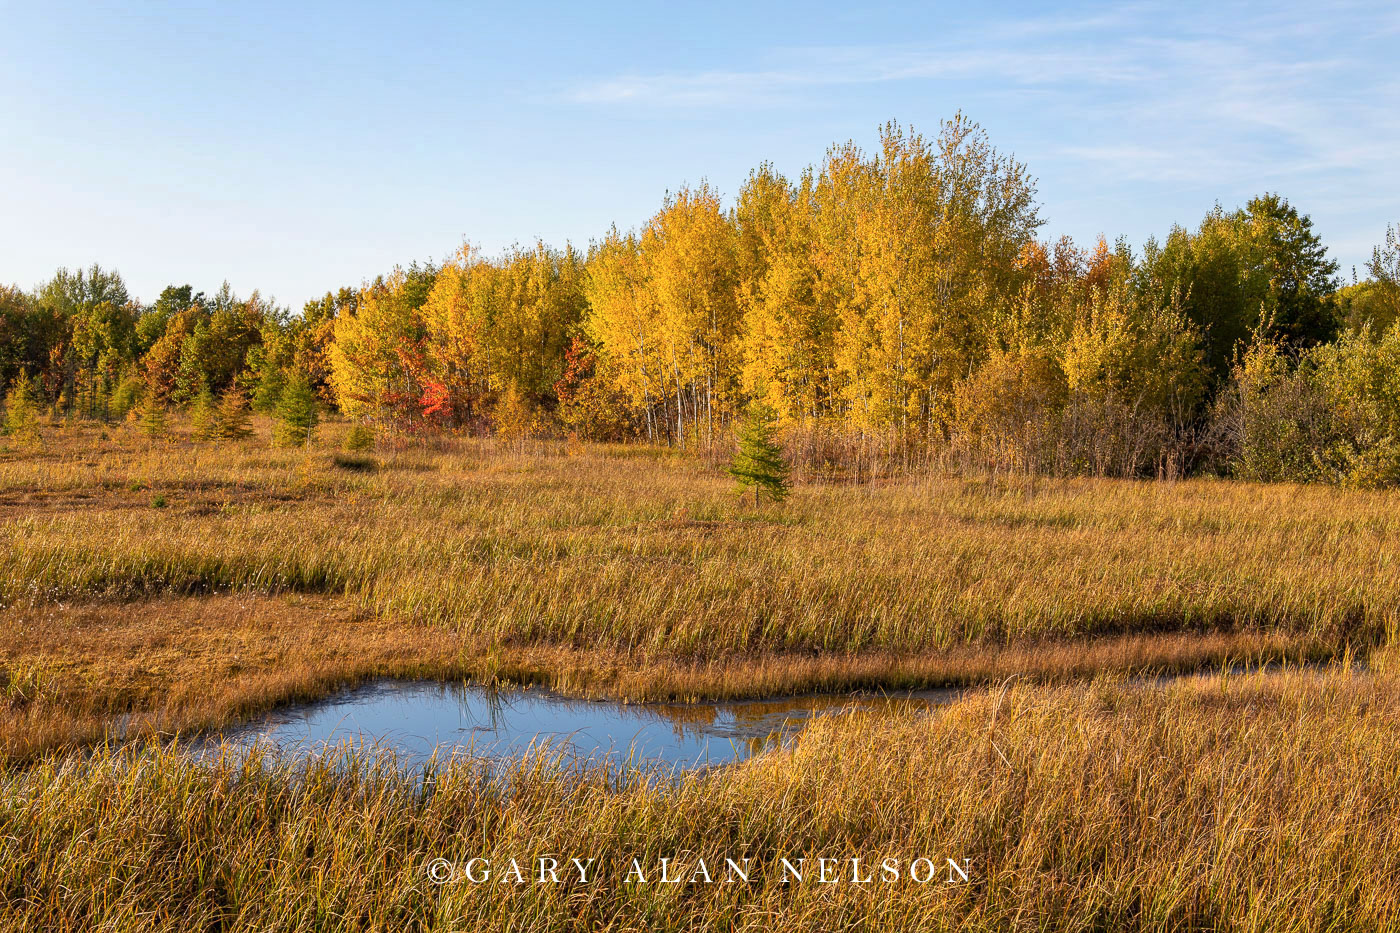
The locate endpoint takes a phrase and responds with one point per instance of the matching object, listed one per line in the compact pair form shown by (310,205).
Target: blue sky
(295,148)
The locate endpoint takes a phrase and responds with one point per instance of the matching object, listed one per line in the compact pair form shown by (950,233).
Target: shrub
(517,420)
(588,403)
(1110,395)
(1333,415)
(1360,379)
(1008,413)
(1272,420)
(1135,376)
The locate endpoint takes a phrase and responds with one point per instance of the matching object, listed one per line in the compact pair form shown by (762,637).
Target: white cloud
(1217,82)
(1218,96)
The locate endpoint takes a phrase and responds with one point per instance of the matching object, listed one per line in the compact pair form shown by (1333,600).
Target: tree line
(895,306)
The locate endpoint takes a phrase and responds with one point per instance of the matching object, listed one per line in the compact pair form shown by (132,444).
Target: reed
(151,588)
(638,551)
(75,675)
(1223,803)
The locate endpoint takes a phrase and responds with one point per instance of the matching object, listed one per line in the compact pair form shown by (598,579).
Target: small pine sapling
(296,414)
(232,419)
(22,412)
(151,416)
(359,437)
(759,461)
(203,415)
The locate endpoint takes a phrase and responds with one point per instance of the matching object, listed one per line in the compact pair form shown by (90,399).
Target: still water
(417,720)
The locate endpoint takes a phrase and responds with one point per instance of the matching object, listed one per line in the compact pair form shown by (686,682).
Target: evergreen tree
(203,416)
(126,396)
(359,437)
(231,422)
(269,391)
(759,462)
(152,416)
(296,414)
(21,412)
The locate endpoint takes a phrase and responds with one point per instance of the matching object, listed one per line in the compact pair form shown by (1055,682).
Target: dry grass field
(150,587)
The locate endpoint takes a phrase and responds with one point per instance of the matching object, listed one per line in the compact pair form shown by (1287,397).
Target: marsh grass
(270,576)
(76,675)
(1239,803)
(629,552)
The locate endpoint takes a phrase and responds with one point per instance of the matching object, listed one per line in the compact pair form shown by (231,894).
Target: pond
(417,720)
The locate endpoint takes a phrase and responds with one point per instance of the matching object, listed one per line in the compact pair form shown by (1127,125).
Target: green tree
(69,292)
(127,395)
(296,414)
(759,462)
(21,412)
(1259,271)
(359,437)
(1298,309)
(203,415)
(152,415)
(17,320)
(269,391)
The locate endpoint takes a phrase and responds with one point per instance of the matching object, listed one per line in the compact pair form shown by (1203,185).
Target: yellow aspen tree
(844,195)
(371,371)
(787,334)
(622,323)
(899,280)
(456,327)
(935,240)
(689,249)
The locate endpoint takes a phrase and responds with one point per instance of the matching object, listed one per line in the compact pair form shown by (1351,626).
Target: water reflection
(417,720)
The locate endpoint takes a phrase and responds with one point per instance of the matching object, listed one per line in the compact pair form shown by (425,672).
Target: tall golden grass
(637,550)
(1225,803)
(164,586)
(75,675)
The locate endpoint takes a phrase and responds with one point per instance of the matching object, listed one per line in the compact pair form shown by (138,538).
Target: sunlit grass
(269,576)
(655,554)
(1224,804)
